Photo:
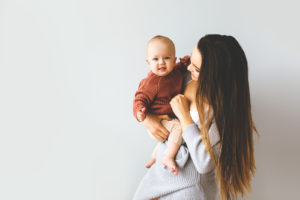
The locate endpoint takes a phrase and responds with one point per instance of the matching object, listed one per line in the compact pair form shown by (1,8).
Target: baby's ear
(175,59)
(147,61)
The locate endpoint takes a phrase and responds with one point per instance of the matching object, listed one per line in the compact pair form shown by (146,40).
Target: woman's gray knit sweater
(196,173)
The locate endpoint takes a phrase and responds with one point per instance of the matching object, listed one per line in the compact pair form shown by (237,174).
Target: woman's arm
(192,137)
(180,107)
(153,125)
(199,155)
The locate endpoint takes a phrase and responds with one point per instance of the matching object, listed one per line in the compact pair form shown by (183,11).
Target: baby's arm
(144,96)
(183,64)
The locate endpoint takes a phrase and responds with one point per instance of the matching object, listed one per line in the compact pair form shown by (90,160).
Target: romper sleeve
(199,155)
(145,94)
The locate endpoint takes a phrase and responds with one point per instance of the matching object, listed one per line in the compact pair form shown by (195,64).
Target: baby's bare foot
(150,162)
(170,163)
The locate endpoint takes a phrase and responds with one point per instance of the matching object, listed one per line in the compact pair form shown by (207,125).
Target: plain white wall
(69,70)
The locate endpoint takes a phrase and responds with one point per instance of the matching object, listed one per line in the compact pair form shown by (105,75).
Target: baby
(154,93)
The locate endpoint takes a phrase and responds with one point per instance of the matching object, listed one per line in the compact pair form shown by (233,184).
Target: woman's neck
(190,93)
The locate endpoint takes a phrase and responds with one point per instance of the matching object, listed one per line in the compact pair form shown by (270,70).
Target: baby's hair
(163,39)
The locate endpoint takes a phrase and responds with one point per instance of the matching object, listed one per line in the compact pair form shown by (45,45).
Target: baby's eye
(167,58)
(156,59)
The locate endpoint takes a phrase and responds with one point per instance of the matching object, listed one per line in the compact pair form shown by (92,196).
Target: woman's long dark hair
(223,86)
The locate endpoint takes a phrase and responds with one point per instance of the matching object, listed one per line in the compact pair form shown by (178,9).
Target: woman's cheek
(195,76)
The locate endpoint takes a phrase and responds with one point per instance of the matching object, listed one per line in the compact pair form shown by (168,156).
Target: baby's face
(161,58)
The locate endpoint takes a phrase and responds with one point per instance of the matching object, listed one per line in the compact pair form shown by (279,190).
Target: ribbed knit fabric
(196,173)
(155,92)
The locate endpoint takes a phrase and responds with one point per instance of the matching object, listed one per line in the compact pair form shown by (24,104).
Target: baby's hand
(185,60)
(141,115)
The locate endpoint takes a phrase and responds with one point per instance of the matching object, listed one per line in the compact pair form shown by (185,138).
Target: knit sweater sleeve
(183,64)
(199,155)
(145,94)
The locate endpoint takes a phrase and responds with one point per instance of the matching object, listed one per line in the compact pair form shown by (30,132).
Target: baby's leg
(153,157)
(168,159)
(174,142)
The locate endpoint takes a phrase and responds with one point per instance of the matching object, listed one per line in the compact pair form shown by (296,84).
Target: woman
(217,160)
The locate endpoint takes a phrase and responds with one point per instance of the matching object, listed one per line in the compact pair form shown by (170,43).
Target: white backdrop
(69,70)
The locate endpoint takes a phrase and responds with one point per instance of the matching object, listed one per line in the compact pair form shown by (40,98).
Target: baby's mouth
(162,69)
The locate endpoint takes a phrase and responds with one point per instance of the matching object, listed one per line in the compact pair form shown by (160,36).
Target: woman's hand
(180,107)
(153,125)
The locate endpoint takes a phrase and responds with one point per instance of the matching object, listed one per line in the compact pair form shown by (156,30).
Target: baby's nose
(161,61)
